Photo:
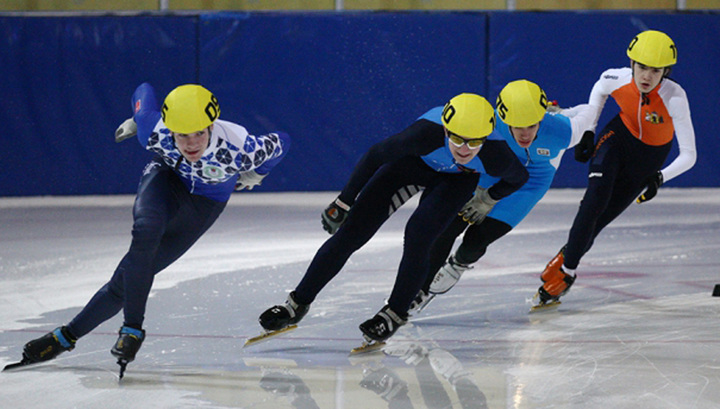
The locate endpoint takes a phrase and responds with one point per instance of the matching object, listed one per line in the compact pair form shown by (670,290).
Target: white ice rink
(638,330)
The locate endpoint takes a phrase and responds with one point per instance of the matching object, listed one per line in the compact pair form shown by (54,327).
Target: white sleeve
(679,110)
(608,82)
(582,117)
(234,133)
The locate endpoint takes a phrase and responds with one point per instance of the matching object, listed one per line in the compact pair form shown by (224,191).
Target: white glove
(127,129)
(248,180)
(478,207)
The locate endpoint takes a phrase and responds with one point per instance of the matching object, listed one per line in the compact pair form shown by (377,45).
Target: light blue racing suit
(556,133)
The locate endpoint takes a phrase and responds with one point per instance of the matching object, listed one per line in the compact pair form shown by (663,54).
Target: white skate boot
(448,275)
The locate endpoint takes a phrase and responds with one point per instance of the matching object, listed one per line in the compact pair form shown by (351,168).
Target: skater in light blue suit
(538,138)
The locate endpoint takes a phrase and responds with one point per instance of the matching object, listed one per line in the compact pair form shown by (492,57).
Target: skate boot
(282,316)
(383,325)
(127,346)
(421,300)
(49,346)
(556,281)
(448,275)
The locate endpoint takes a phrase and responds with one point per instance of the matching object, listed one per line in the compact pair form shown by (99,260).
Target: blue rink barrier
(336,82)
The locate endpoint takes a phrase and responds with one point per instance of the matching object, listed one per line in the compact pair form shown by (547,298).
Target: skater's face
(524,136)
(193,145)
(647,78)
(463,149)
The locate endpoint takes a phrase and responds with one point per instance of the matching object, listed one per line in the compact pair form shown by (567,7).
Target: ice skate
(421,300)
(280,319)
(45,348)
(127,346)
(448,275)
(378,329)
(556,283)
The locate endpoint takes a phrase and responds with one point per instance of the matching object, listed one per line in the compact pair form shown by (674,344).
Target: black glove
(334,216)
(652,184)
(585,149)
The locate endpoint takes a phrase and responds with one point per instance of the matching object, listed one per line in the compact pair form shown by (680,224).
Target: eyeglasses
(459,141)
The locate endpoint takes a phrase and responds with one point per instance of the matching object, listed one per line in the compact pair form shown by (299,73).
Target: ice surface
(638,330)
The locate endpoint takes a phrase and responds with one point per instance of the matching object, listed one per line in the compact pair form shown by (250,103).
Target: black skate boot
(281,316)
(49,346)
(127,346)
(383,325)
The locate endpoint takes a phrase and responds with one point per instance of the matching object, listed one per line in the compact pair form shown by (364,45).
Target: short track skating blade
(550,306)
(267,335)
(541,306)
(367,347)
(18,365)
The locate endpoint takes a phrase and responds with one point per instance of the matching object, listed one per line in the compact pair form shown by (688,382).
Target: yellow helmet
(469,115)
(653,49)
(521,103)
(190,108)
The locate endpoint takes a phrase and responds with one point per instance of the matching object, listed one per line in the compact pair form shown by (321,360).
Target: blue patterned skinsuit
(176,203)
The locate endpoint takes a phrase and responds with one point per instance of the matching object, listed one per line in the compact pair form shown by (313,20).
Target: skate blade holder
(267,335)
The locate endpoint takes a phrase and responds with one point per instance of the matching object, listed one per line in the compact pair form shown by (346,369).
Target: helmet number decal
(543,100)
(212,109)
(632,43)
(501,108)
(448,113)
